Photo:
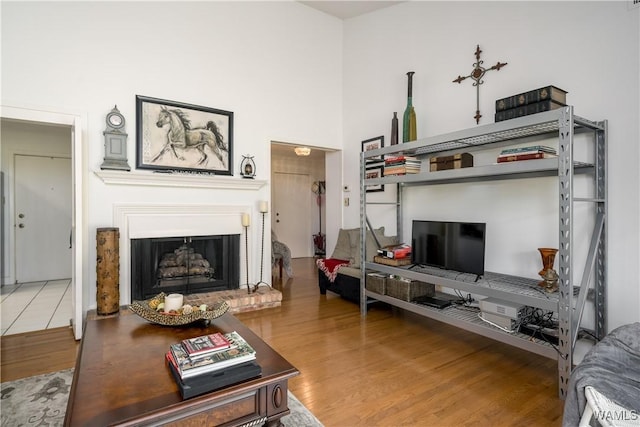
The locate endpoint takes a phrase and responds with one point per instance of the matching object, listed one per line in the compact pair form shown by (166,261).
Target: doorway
(295,217)
(71,124)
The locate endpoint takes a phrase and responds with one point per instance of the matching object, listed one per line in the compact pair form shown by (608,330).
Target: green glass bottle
(409,128)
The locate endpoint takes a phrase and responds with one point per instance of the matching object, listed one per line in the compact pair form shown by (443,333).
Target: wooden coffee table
(121,378)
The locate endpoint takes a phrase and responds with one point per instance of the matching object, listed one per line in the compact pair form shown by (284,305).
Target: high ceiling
(349,9)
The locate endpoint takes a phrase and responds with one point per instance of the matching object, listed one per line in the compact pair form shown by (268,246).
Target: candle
(245,220)
(173,302)
(264,206)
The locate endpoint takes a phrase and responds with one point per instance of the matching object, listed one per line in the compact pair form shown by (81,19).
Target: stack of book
(209,362)
(395,255)
(401,165)
(399,251)
(531,102)
(526,153)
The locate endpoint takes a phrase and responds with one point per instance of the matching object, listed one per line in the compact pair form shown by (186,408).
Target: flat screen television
(455,246)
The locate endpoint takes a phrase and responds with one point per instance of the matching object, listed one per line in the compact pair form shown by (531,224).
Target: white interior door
(291,218)
(43,202)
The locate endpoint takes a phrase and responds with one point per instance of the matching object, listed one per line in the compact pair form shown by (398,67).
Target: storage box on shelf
(376,282)
(407,289)
(562,125)
(455,161)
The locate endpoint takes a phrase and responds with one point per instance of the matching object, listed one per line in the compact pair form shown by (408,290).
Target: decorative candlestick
(245,223)
(264,208)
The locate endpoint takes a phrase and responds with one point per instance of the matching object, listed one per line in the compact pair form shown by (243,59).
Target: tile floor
(34,306)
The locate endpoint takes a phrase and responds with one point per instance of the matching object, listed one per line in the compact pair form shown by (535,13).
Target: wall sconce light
(302,151)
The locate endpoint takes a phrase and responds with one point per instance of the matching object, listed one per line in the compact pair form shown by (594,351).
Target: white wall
(590,49)
(276,65)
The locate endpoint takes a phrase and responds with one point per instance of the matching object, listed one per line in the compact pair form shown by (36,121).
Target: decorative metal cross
(476,75)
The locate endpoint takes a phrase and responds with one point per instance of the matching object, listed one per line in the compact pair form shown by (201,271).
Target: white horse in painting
(181,136)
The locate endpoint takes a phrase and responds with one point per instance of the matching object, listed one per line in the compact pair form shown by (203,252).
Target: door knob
(21,225)
(20,215)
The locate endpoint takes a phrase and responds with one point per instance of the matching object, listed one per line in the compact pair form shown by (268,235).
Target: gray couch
(612,369)
(347,281)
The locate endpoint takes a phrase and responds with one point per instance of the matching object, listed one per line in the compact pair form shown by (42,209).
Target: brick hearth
(238,299)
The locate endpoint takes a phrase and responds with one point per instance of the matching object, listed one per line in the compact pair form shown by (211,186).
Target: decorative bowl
(144,310)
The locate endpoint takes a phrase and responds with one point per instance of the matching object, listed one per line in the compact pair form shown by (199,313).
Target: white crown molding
(115,177)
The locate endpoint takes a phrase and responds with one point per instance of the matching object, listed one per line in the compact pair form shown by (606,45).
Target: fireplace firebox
(184,265)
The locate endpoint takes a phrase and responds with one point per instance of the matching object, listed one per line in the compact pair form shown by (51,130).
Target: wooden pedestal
(108,270)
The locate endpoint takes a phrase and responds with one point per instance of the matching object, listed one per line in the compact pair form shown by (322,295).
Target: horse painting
(182,136)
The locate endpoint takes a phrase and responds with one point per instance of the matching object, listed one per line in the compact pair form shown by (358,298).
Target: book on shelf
(239,352)
(529,149)
(399,251)
(400,170)
(526,110)
(547,93)
(401,165)
(393,262)
(529,156)
(210,381)
(401,159)
(205,344)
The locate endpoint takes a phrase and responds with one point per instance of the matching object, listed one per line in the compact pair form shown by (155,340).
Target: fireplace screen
(185,265)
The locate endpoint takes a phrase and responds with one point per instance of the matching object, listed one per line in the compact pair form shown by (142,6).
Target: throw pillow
(343,246)
(371,245)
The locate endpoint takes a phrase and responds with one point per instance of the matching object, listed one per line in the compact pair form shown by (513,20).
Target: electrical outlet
(346,201)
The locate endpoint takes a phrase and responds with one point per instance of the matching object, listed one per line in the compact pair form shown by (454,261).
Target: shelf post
(565,264)
(601,209)
(363,235)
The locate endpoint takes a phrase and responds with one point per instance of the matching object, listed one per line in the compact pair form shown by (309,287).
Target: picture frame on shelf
(373,144)
(180,137)
(373,172)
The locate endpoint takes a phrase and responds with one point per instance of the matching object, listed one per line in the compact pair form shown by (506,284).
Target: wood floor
(389,369)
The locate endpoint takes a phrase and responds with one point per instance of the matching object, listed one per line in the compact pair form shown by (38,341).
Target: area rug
(42,401)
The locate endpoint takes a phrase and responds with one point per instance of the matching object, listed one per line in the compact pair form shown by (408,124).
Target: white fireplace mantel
(136,221)
(140,178)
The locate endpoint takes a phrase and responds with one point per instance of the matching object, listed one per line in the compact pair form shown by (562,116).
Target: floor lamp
(245,223)
(264,208)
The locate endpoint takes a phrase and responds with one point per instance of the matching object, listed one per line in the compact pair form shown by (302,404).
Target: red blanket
(330,267)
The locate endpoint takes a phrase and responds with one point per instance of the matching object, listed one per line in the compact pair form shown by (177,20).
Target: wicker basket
(376,282)
(407,290)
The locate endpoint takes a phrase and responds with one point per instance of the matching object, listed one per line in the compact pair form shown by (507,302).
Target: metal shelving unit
(570,299)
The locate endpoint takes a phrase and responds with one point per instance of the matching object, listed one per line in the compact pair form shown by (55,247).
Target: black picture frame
(373,172)
(180,137)
(373,144)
